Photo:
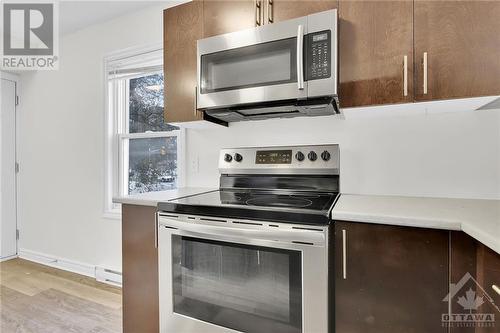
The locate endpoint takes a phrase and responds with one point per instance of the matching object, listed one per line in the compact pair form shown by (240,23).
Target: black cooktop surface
(266,205)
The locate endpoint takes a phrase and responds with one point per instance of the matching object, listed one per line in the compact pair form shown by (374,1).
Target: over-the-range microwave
(285,69)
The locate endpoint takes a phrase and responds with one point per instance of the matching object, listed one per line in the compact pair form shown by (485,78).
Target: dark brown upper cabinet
(457,49)
(389,51)
(282,10)
(375,52)
(186,23)
(182,27)
(389,279)
(220,17)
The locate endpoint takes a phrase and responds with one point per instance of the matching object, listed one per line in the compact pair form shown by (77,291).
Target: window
(143,152)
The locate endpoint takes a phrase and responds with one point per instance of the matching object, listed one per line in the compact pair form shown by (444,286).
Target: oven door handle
(248,232)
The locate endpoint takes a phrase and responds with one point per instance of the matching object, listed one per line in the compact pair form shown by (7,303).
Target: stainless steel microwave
(286,69)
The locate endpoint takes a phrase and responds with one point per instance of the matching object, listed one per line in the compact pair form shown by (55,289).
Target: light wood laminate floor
(41,299)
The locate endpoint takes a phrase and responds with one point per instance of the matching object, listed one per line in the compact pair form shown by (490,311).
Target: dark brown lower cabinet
(140,270)
(390,279)
(474,267)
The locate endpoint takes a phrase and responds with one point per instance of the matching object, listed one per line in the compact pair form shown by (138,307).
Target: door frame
(15,79)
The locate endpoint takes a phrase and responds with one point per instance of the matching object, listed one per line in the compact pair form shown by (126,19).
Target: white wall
(61,144)
(441,149)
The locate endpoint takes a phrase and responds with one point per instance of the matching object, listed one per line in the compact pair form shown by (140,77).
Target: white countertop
(478,218)
(152,198)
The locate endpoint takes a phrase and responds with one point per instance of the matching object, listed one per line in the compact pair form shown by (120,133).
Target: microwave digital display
(273,157)
(319,38)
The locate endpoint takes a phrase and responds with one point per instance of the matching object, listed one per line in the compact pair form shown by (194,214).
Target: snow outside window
(144,152)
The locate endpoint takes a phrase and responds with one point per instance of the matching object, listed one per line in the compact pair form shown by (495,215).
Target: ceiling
(76,15)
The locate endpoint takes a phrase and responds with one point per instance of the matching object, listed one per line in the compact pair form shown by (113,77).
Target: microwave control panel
(319,55)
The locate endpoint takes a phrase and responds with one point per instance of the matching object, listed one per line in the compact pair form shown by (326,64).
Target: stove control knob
(325,156)
(238,157)
(299,156)
(228,158)
(312,156)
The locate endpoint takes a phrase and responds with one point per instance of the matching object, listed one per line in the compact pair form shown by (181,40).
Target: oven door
(241,276)
(252,66)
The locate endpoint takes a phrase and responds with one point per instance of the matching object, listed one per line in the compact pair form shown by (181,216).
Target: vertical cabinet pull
(344,254)
(270,11)
(405,75)
(156,230)
(258,13)
(195,101)
(425,72)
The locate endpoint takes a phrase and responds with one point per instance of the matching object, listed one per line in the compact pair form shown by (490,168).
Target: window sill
(113,214)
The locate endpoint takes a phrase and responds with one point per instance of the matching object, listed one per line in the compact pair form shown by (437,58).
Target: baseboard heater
(108,276)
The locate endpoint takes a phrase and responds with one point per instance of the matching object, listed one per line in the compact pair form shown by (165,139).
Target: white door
(8,225)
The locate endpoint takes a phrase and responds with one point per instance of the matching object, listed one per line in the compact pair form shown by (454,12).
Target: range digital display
(273,157)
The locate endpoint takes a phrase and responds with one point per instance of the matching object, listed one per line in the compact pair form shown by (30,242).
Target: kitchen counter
(478,218)
(152,198)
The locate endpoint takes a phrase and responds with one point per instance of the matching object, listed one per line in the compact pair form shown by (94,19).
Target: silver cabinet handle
(300,57)
(425,72)
(195,101)
(157,225)
(258,21)
(405,75)
(270,11)
(344,254)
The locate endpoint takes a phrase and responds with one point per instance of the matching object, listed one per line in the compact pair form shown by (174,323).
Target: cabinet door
(221,17)
(281,10)
(375,38)
(488,269)
(462,41)
(393,279)
(140,270)
(468,256)
(183,26)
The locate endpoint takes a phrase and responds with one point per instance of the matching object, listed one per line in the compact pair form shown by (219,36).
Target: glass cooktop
(267,205)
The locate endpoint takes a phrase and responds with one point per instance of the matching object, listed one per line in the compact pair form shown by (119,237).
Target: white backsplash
(438,149)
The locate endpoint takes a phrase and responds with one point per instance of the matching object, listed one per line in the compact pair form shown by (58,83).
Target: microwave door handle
(300,57)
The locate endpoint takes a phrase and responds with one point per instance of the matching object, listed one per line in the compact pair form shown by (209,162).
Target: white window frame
(117,135)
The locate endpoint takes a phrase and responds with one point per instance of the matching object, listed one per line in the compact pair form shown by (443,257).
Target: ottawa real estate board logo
(469,305)
(30,36)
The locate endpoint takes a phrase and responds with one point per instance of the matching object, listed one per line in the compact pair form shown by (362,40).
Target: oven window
(250,66)
(242,287)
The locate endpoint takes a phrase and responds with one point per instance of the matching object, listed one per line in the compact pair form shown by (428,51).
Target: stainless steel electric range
(253,255)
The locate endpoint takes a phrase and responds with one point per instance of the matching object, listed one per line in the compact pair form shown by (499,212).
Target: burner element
(279,201)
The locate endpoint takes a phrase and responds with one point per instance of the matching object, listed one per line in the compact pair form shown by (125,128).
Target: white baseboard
(110,276)
(61,263)
(8,258)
